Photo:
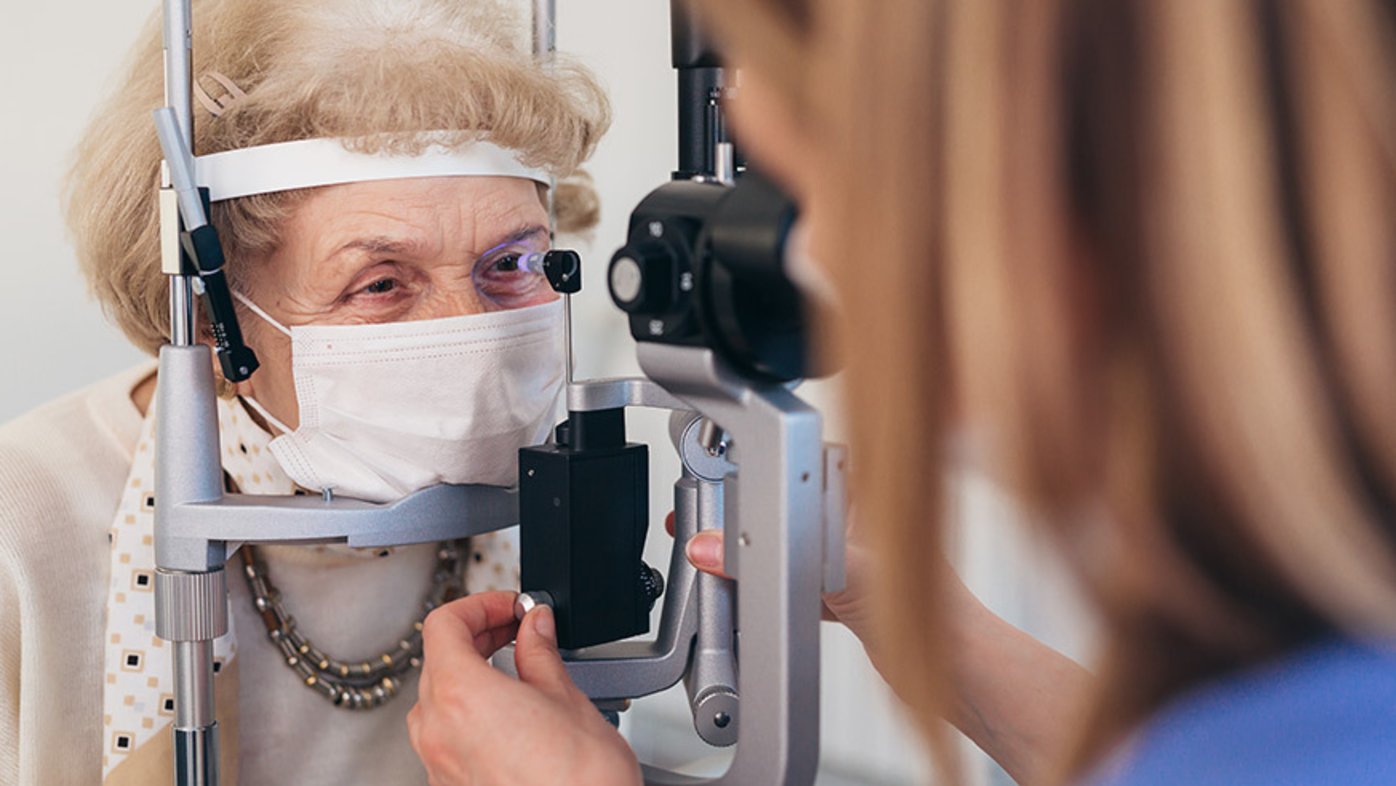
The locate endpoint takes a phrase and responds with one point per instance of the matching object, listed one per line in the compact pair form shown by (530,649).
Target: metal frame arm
(774,549)
(773,511)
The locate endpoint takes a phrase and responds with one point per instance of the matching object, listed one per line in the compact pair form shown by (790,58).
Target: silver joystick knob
(527,600)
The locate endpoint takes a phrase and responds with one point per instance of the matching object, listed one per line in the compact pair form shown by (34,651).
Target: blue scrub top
(1324,715)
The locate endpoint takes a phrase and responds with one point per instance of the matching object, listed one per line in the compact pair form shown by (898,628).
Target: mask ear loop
(256,309)
(252,402)
(270,418)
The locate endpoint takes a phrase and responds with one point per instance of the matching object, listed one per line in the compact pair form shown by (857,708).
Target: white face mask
(387,409)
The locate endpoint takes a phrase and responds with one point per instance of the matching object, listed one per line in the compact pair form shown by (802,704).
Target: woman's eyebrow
(378,244)
(527,233)
(397,246)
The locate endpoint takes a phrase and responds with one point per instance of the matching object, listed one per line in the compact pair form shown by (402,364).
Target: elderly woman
(431,260)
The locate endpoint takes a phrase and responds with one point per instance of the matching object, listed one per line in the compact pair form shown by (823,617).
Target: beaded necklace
(352,686)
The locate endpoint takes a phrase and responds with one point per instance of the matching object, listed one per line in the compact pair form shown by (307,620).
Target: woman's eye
(381,286)
(507,280)
(505,267)
(515,264)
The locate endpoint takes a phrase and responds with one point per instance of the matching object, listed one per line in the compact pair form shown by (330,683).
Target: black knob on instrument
(651,583)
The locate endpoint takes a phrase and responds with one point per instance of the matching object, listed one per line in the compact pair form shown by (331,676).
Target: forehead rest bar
(308,163)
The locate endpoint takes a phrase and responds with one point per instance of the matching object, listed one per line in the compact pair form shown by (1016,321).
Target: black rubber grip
(236,358)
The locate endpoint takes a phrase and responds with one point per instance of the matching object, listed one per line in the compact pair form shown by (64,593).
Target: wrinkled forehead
(415,215)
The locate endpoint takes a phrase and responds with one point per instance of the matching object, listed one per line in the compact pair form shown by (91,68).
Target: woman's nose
(457,300)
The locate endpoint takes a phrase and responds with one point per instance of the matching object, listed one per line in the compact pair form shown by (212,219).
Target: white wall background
(57,58)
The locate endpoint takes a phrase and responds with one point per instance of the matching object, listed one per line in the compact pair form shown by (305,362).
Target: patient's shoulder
(63,466)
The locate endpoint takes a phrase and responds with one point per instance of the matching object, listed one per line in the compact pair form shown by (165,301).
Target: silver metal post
(191,608)
(179,80)
(179,66)
(712,677)
(545,52)
(567,336)
(195,730)
(193,663)
(544,29)
(725,163)
(181,311)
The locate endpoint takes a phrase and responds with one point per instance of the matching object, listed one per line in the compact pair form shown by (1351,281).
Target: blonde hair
(379,71)
(1148,246)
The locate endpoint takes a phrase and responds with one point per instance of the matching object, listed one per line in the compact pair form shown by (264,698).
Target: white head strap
(308,163)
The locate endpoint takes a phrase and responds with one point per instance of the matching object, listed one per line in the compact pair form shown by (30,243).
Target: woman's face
(390,251)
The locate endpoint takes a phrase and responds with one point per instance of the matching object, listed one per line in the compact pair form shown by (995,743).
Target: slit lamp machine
(720,337)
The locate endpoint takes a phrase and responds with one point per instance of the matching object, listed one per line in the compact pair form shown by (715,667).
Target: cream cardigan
(62,468)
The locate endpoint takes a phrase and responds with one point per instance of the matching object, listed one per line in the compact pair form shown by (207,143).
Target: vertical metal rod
(725,163)
(193,663)
(567,336)
(179,67)
(179,80)
(181,311)
(712,676)
(544,29)
(195,730)
(545,52)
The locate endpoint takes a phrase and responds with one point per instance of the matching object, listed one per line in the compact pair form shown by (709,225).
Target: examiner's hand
(850,606)
(475,726)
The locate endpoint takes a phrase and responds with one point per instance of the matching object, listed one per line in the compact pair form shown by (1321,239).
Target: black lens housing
(711,264)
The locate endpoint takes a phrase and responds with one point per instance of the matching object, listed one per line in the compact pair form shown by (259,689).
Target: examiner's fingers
(704,551)
(669,523)
(484,610)
(414,728)
(536,656)
(424,680)
(468,620)
(490,641)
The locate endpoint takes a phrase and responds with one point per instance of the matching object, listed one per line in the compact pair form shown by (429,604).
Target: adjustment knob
(651,583)
(627,280)
(642,279)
